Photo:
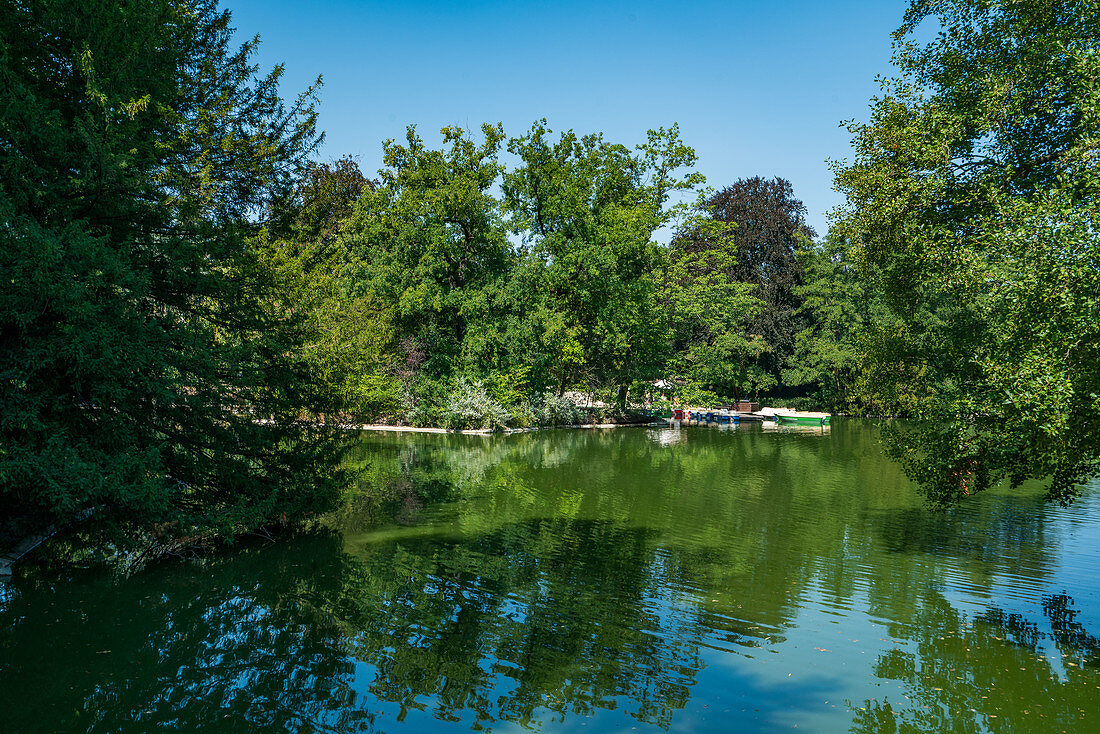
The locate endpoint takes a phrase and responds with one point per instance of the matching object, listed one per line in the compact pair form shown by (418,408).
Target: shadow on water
(534,622)
(633,578)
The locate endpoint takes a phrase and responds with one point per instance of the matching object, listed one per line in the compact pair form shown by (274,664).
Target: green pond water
(638,579)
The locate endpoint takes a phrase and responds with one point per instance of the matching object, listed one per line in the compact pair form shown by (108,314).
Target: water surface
(637,579)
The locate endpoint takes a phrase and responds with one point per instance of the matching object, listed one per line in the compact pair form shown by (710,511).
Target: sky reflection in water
(689,580)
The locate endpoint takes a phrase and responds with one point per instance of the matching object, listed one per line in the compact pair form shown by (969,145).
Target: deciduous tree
(767,225)
(711,316)
(973,190)
(587,209)
(429,237)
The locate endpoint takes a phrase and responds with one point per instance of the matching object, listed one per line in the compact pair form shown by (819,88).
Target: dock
(749,413)
(22,548)
(11,556)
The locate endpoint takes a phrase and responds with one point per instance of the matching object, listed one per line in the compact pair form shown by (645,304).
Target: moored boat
(801,418)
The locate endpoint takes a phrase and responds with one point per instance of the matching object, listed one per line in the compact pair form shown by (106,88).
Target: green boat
(802,419)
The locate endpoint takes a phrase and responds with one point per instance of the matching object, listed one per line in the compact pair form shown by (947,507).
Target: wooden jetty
(23,548)
(11,556)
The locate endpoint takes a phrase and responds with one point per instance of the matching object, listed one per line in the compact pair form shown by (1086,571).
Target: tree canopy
(189,296)
(751,232)
(137,146)
(973,192)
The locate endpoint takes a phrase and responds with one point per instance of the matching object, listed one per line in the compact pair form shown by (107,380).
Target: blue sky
(758,88)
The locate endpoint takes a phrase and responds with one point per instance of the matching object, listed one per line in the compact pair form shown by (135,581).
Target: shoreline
(382,427)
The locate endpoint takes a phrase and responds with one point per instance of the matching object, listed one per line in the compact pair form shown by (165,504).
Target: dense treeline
(477,283)
(185,293)
(188,297)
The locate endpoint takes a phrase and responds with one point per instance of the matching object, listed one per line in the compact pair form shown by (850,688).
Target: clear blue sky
(758,88)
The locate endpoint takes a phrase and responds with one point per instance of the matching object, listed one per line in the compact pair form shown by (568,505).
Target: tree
(346,332)
(711,316)
(768,226)
(429,237)
(587,210)
(315,207)
(974,191)
(841,308)
(571,301)
(136,350)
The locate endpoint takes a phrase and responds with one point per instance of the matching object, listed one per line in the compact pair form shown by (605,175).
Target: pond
(637,579)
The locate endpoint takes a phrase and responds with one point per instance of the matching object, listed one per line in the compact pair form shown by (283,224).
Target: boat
(801,418)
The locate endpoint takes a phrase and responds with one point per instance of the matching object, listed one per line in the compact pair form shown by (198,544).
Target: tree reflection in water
(556,579)
(541,615)
(226,645)
(534,621)
(990,674)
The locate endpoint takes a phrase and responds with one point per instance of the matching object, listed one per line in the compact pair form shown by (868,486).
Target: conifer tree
(138,146)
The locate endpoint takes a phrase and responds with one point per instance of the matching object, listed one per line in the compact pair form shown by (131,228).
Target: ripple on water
(634,579)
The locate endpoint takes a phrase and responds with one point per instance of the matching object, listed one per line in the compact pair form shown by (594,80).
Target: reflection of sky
(687,615)
(820,666)
(760,687)
(813,673)
(1079,559)
(1074,537)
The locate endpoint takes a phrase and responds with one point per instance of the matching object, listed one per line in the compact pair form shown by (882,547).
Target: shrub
(697,396)
(376,395)
(555,410)
(469,406)
(524,414)
(423,402)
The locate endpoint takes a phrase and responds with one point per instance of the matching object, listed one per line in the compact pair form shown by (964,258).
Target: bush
(423,402)
(376,395)
(697,396)
(524,415)
(554,410)
(469,406)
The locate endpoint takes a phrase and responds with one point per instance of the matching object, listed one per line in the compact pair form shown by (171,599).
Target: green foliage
(697,396)
(754,228)
(587,210)
(711,316)
(314,208)
(428,238)
(556,284)
(511,387)
(842,308)
(493,405)
(423,400)
(973,193)
(347,334)
(555,410)
(137,348)
(572,299)
(470,406)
